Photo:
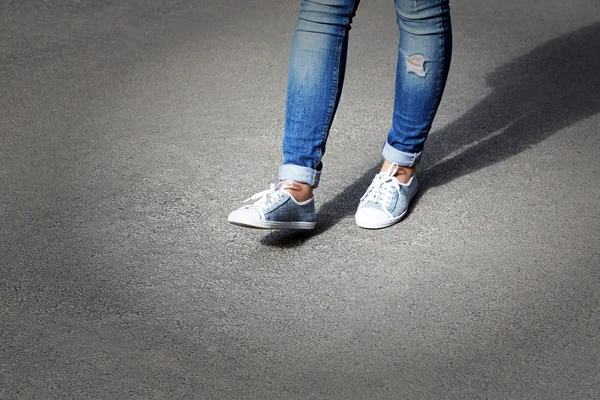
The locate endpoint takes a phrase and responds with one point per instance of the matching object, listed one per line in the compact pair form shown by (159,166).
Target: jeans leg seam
(440,88)
(333,100)
(325,132)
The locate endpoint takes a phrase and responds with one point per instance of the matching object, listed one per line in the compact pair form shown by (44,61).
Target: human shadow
(534,96)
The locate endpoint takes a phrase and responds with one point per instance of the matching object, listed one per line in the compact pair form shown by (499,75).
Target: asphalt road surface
(129,130)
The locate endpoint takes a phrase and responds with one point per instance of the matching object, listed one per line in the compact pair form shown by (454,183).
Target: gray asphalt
(129,130)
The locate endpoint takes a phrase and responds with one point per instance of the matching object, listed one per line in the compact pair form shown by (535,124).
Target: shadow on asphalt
(533,97)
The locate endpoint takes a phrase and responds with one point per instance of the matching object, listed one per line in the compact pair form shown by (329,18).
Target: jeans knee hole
(416,64)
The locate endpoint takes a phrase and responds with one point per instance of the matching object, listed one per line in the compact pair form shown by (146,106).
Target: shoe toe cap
(368,217)
(244,215)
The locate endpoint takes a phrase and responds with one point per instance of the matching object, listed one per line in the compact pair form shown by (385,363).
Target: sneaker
(385,201)
(275,208)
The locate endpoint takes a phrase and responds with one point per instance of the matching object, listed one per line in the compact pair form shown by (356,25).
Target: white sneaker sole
(261,224)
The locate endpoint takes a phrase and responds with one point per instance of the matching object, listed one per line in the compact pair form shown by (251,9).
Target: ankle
(300,191)
(403,174)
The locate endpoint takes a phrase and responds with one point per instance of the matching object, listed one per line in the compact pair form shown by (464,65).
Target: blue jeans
(316,76)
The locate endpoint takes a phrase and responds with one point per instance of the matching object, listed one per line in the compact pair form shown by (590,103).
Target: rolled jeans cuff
(299,174)
(402,158)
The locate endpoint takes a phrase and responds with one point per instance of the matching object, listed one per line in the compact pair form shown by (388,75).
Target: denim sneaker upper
(275,208)
(386,200)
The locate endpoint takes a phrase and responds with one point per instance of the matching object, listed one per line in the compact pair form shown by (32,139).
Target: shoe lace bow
(382,188)
(270,196)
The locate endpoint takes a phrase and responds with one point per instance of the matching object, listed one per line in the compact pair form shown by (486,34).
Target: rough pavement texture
(129,130)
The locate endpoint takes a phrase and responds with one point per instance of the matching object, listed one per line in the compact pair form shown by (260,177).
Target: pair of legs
(316,76)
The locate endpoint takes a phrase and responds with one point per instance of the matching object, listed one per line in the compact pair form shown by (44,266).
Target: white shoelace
(263,200)
(382,189)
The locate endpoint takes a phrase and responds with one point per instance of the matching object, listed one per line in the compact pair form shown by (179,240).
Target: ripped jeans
(316,76)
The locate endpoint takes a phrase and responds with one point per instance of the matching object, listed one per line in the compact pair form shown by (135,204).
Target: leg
(316,76)
(424,54)
(423,62)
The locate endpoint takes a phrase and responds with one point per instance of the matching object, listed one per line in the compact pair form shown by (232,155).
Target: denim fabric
(316,77)
(288,210)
